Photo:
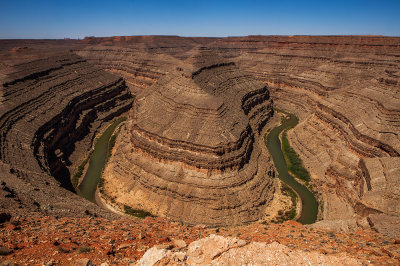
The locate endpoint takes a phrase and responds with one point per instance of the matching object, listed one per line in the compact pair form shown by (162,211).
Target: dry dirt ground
(66,241)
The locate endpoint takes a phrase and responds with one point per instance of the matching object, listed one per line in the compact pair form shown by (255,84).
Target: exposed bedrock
(192,148)
(51,108)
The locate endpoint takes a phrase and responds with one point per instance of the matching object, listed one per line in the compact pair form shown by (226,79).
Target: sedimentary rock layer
(140,60)
(51,108)
(346,92)
(139,68)
(192,150)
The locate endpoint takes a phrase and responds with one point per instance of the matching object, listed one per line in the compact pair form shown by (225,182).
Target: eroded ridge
(192,150)
(51,108)
(139,68)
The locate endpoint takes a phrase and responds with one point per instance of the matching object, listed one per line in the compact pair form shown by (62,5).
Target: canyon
(192,149)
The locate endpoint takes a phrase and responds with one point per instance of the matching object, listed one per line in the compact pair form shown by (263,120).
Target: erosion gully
(98,159)
(309,208)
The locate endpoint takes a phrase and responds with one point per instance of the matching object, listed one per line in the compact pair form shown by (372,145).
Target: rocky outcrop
(51,108)
(192,149)
(219,250)
(380,186)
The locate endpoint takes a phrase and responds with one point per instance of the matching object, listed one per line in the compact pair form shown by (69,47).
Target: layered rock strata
(140,60)
(192,149)
(346,92)
(51,108)
(138,67)
(345,89)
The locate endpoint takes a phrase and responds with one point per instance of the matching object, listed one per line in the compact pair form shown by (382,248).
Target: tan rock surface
(219,250)
(382,184)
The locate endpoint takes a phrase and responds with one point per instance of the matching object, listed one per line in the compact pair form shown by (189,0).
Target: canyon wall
(52,105)
(346,91)
(191,149)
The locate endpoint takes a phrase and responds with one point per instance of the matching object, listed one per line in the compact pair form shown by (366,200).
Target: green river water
(98,159)
(309,203)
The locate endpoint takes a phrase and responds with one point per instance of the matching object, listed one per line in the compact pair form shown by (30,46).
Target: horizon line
(233,36)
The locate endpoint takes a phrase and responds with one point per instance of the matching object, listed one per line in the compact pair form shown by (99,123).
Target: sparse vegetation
(81,167)
(294,163)
(111,144)
(136,213)
(79,173)
(291,214)
(62,250)
(100,184)
(84,249)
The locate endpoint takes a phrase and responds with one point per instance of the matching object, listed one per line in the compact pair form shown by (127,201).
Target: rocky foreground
(81,241)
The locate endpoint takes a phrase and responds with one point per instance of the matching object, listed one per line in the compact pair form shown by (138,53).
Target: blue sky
(79,18)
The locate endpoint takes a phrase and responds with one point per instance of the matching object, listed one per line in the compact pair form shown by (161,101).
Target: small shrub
(136,213)
(79,172)
(62,250)
(84,249)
